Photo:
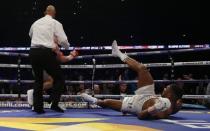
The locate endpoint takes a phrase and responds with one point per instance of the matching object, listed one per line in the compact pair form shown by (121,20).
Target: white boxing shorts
(135,103)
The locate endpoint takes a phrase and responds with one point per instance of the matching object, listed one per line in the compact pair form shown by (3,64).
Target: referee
(45,33)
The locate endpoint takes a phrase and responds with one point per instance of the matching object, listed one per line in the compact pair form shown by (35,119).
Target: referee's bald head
(50,10)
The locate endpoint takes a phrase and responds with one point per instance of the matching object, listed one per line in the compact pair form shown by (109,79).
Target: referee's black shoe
(56,108)
(39,111)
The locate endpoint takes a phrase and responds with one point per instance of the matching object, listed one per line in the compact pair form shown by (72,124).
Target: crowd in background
(161,73)
(201,88)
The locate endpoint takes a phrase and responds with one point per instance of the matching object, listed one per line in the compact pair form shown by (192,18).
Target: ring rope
(130,54)
(185,46)
(148,53)
(14,54)
(103,96)
(110,66)
(68,105)
(109,81)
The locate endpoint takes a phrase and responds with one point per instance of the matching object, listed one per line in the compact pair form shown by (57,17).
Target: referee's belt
(40,47)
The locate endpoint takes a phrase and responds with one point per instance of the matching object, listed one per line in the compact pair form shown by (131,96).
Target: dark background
(98,22)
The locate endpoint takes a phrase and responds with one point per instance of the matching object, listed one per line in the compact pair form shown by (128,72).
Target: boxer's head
(50,10)
(174,93)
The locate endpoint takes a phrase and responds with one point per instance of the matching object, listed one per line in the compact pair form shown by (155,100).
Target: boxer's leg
(52,67)
(144,76)
(107,103)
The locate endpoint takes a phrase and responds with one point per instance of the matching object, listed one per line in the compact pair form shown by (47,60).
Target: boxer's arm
(61,57)
(48,83)
(157,110)
(64,59)
(146,114)
(160,115)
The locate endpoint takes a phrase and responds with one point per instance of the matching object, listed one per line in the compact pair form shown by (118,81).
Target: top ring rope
(103,96)
(147,53)
(13,54)
(130,54)
(112,66)
(110,81)
(135,47)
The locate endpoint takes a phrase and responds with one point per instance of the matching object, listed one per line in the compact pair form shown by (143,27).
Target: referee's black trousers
(45,59)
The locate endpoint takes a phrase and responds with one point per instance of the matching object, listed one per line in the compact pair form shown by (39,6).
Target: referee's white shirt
(44,31)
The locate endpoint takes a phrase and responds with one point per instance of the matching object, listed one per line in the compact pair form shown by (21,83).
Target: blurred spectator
(123,89)
(70,90)
(160,86)
(189,88)
(81,89)
(97,89)
(202,86)
(180,84)
(207,102)
(108,89)
(130,75)
(188,77)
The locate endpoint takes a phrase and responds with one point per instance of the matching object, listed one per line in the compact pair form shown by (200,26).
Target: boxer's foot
(117,53)
(32,108)
(89,98)
(62,106)
(57,108)
(30,97)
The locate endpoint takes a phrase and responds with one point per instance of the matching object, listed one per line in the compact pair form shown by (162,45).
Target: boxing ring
(16,115)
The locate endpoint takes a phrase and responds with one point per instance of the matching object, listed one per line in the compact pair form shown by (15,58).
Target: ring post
(19,76)
(172,66)
(93,76)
